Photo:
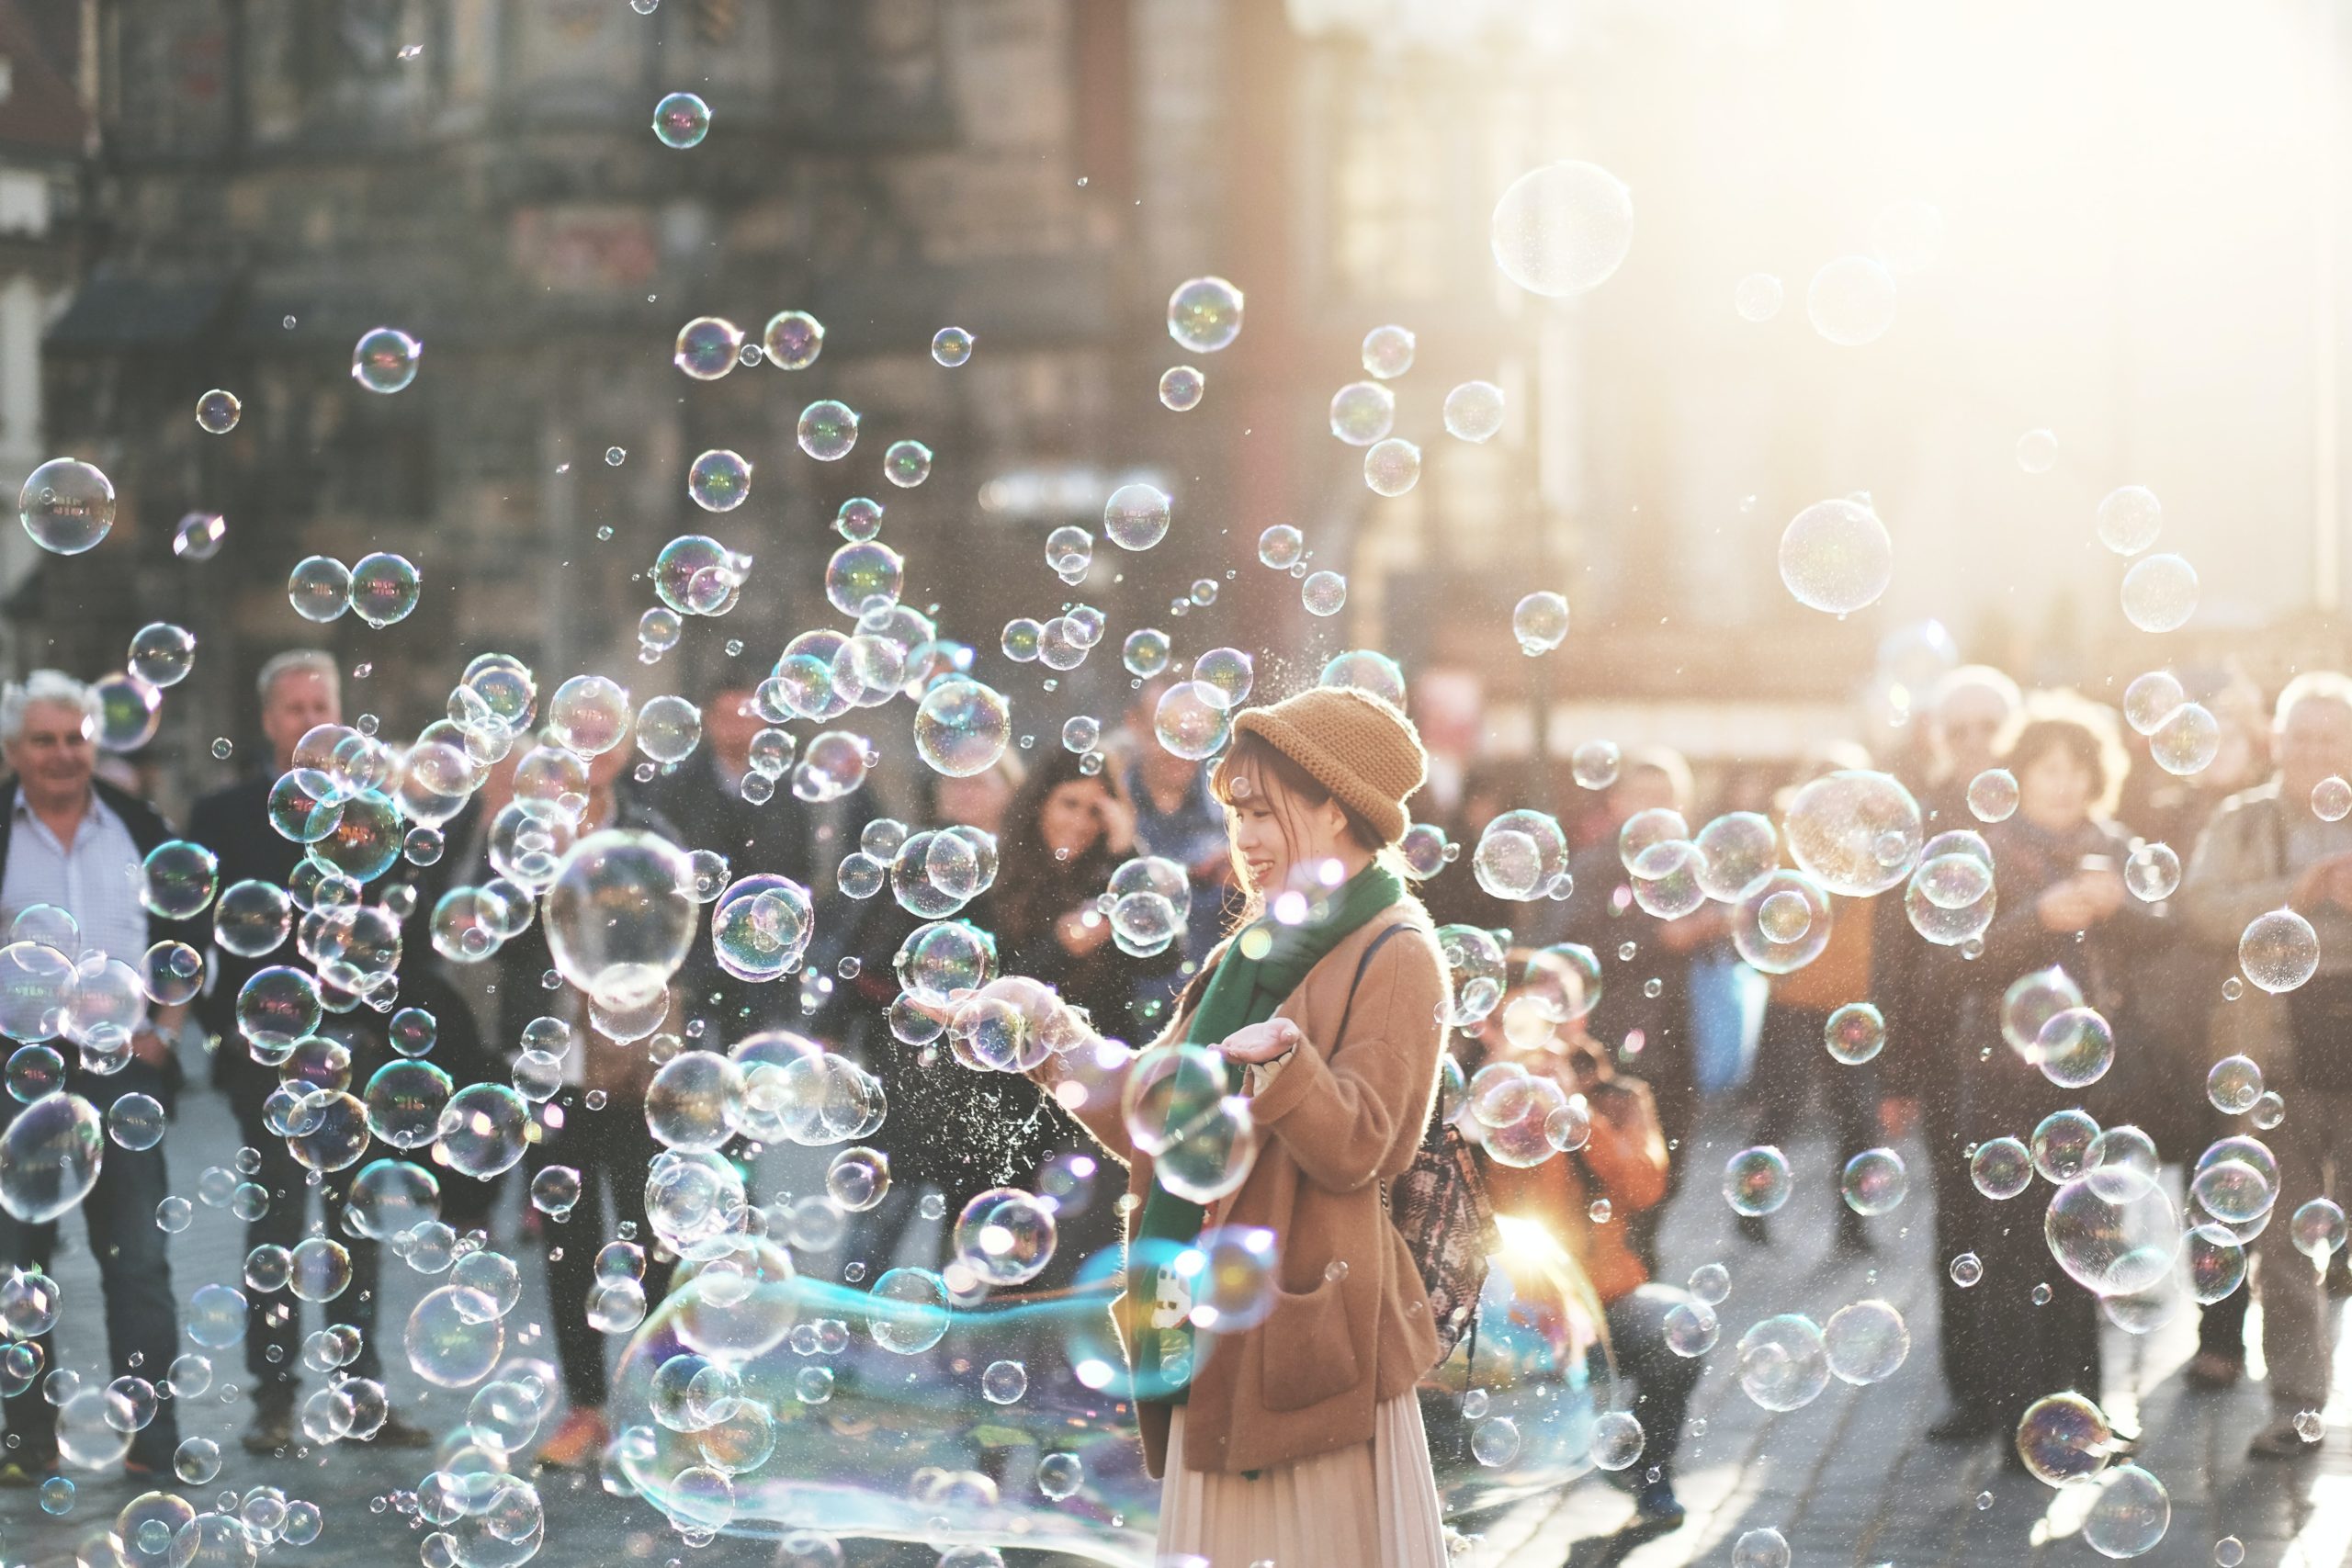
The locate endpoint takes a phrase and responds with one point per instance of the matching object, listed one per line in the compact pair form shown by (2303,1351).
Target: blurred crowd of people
(1665,1029)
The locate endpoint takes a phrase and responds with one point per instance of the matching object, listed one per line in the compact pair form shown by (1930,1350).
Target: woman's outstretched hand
(1261,1042)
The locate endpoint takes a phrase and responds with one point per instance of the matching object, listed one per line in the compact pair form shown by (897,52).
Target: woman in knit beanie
(1297,1437)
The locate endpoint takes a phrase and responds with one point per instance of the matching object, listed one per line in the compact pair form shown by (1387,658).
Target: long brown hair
(1256,767)
(1032,889)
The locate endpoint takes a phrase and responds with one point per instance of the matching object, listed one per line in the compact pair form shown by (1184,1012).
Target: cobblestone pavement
(1850,1479)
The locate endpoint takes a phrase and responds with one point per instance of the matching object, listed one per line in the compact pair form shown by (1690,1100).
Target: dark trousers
(1662,1379)
(135,1276)
(1793,1069)
(273,1322)
(1959,1332)
(611,1149)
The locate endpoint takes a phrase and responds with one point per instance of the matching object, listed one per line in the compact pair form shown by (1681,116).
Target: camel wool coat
(1351,1322)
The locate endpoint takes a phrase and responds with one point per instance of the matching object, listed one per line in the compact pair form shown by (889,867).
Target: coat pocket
(1306,1352)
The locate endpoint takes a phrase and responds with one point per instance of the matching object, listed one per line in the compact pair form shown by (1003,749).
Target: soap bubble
(791,340)
(1874,1181)
(1781,922)
(1473,410)
(1756,297)
(2131,1515)
(2188,740)
(1850,302)
(2152,872)
(2037,451)
(1137,515)
(1004,1237)
(1387,352)
(2064,1436)
(951,346)
(1204,314)
(2279,951)
(384,360)
(707,347)
(2112,1244)
(1324,593)
(1391,468)
(1189,722)
(2062,1144)
(2001,1167)
(1866,1342)
(2151,699)
(162,654)
(1835,557)
(1856,831)
(177,879)
(319,588)
(962,727)
(906,463)
(2332,799)
(50,1157)
(1562,229)
(1540,622)
(620,916)
(198,535)
(2130,519)
(66,506)
(1784,1364)
(2159,593)
(1737,848)
(907,1311)
(681,120)
(2233,1084)
(454,1337)
(1367,670)
(1855,1033)
(1993,795)
(1361,413)
(1756,1180)
(217,411)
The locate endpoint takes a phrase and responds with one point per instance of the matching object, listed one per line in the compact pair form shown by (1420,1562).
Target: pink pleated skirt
(1373,1505)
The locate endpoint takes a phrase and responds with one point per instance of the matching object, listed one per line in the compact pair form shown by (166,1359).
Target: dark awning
(112,313)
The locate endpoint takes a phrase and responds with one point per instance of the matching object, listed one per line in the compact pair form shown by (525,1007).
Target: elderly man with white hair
(74,843)
(2270,848)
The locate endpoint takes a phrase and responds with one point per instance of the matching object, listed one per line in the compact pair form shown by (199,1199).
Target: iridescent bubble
(620,916)
(681,120)
(707,347)
(1135,517)
(1594,765)
(951,346)
(1756,297)
(2074,1048)
(50,1157)
(1756,1180)
(385,360)
(2188,740)
(384,588)
(589,715)
(1851,301)
(1781,922)
(1562,229)
(319,588)
(1004,1237)
(1392,467)
(1191,722)
(1540,622)
(1874,1181)
(2159,593)
(1993,795)
(2317,1229)
(1473,410)
(2001,1167)
(1866,1342)
(2233,1084)
(2037,451)
(1366,669)
(2130,519)
(2064,1436)
(2152,872)
(1362,412)
(66,506)
(1835,557)
(1323,593)
(454,1337)
(1855,1033)
(962,727)
(197,536)
(2130,1514)
(1387,352)
(1856,831)
(718,480)
(1204,314)
(1145,653)
(906,463)
(2279,951)
(1281,547)
(791,340)
(907,1311)
(828,430)
(162,654)
(1180,386)
(217,411)
(861,578)
(1784,1364)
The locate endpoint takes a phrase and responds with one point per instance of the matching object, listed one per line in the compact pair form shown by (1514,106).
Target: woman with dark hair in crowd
(1065,832)
(2058,864)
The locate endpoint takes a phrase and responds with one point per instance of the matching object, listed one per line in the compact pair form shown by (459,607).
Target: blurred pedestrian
(2058,864)
(77,845)
(1794,1070)
(2266,850)
(1581,1200)
(301,691)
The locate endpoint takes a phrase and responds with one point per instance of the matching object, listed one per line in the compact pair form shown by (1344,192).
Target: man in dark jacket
(72,843)
(300,691)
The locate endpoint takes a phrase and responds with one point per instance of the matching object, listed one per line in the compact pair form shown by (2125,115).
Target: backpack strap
(1362,965)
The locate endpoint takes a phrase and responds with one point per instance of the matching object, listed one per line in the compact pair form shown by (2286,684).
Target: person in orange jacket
(1581,1199)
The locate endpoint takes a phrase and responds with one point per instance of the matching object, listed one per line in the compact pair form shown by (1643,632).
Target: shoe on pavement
(396,1433)
(2280,1440)
(578,1443)
(272,1430)
(2210,1371)
(1657,1510)
(1752,1230)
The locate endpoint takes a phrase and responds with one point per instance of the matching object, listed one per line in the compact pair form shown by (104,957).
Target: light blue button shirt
(96,880)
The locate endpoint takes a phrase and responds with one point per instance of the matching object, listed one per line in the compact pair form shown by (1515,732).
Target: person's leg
(1780,1085)
(33,1420)
(1663,1381)
(273,1321)
(2296,1337)
(571,1247)
(356,1305)
(135,1271)
(629,1148)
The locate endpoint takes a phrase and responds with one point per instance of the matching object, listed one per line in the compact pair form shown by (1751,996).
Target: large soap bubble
(962,727)
(620,916)
(1563,228)
(49,1156)
(1835,556)
(1857,833)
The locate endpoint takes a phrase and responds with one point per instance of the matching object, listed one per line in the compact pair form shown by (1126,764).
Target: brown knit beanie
(1358,747)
